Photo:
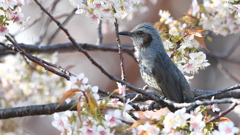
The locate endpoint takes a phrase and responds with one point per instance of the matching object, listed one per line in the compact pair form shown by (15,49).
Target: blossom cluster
(28,79)
(178,119)
(11,12)
(182,42)
(67,123)
(107,9)
(185,55)
(26,83)
(92,120)
(224,22)
(176,123)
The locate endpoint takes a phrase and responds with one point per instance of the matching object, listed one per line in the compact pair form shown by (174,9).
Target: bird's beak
(125,33)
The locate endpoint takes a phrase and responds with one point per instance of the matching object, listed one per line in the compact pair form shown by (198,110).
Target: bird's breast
(145,67)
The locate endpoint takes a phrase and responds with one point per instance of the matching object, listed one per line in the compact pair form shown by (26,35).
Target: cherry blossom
(173,31)
(3,30)
(226,128)
(220,22)
(121,88)
(112,117)
(95,92)
(176,119)
(89,130)
(127,107)
(195,7)
(103,131)
(150,129)
(60,122)
(105,9)
(165,17)
(197,123)
(79,79)
(169,122)
(79,82)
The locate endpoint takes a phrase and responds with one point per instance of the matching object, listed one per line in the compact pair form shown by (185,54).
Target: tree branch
(68,47)
(48,109)
(237,86)
(31,110)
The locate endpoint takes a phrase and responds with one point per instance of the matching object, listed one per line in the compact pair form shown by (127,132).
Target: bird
(156,68)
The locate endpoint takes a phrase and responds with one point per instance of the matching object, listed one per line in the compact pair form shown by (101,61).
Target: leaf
(143,132)
(67,95)
(201,41)
(106,10)
(197,36)
(116,91)
(141,115)
(194,32)
(93,106)
(223,119)
(139,122)
(135,124)
(79,108)
(239,131)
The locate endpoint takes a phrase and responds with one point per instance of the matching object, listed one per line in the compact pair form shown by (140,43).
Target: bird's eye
(140,32)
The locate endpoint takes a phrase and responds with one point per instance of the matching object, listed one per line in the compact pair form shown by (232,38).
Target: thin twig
(47,23)
(36,60)
(195,104)
(223,113)
(100,35)
(65,71)
(123,75)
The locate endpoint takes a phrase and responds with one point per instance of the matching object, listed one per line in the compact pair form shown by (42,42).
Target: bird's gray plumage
(156,68)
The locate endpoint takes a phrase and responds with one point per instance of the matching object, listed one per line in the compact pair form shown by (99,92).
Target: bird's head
(143,35)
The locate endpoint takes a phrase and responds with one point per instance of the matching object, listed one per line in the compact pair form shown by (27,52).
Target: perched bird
(156,68)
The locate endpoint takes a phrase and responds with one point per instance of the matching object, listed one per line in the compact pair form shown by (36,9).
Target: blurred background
(220,74)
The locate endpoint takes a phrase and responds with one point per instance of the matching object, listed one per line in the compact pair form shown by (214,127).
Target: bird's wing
(167,77)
